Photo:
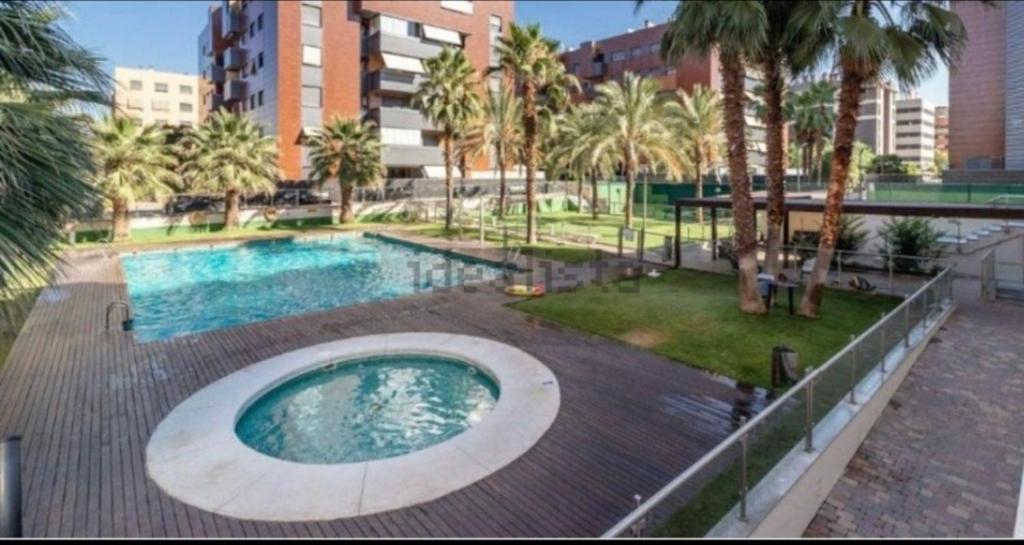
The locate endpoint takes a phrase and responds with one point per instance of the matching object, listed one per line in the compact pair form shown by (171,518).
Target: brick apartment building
(941,128)
(638,51)
(986,89)
(292,66)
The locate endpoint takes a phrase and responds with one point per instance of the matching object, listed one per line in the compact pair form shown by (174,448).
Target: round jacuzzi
(368,409)
(353,427)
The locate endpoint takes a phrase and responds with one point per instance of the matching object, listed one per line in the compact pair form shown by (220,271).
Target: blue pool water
(368,409)
(189,291)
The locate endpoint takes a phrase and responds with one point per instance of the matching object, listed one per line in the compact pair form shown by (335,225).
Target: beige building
(915,131)
(161,98)
(876,116)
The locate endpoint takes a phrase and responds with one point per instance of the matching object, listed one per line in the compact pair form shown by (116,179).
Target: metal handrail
(117,304)
(737,436)
(10,487)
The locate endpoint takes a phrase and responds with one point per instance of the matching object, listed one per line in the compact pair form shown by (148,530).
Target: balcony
(410,156)
(234,58)
(232,23)
(393,81)
(234,91)
(216,101)
(597,69)
(400,118)
(407,46)
(217,74)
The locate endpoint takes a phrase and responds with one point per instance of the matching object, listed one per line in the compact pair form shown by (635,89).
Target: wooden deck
(86,401)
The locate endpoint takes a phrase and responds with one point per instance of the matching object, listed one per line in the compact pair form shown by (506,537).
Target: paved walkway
(86,402)
(945,458)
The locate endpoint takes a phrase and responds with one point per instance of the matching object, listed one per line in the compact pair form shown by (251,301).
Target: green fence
(997,194)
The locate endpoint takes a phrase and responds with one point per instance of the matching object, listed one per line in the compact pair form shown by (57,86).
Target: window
(311,55)
(135,103)
(312,96)
(259,60)
(259,98)
(259,22)
(398,27)
(618,56)
(160,87)
(311,16)
(161,106)
(186,124)
(655,48)
(160,122)
(252,29)
(575,68)
(185,107)
(495,24)
(135,85)
(461,6)
(252,102)
(639,52)
(401,137)
(185,89)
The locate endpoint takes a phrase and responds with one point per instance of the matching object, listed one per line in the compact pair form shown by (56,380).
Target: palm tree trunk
(775,128)
(842,151)
(347,212)
(231,220)
(502,187)
(121,229)
(819,158)
(593,194)
(629,187)
(530,148)
(744,238)
(447,180)
(698,189)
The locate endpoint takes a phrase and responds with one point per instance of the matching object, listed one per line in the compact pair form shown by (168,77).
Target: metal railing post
(906,325)
(744,484)
(927,310)
(891,288)
(882,347)
(637,530)
(10,487)
(809,414)
(853,371)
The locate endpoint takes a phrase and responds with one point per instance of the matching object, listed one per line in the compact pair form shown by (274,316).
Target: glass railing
(720,483)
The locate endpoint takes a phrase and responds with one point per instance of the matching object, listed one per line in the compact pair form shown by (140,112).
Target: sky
(163,34)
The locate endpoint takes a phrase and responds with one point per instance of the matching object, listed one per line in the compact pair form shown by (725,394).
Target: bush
(914,237)
(852,237)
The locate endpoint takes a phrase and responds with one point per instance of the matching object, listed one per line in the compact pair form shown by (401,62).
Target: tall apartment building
(152,97)
(915,131)
(942,128)
(292,66)
(876,114)
(638,51)
(986,89)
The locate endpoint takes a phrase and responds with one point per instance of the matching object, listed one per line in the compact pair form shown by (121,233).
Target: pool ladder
(128,323)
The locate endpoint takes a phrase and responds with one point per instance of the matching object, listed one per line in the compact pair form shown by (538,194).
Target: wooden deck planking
(86,402)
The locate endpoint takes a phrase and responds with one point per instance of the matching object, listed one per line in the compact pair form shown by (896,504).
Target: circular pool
(353,427)
(368,409)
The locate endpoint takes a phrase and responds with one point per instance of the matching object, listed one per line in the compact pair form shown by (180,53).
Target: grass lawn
(544,250)
(606,227)
(691,316)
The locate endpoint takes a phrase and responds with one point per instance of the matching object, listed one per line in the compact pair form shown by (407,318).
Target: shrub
(852,236)
(913,237)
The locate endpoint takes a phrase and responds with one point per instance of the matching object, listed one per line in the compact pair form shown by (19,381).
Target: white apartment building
(154,97)
(915,131)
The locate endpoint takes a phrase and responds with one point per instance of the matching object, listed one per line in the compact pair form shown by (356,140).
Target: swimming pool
(368,409)
(193,290)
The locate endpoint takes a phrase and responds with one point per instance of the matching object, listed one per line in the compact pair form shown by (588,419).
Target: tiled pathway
(945,458)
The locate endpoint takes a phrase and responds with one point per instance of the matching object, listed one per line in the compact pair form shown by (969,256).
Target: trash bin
(764,287)
(785,367)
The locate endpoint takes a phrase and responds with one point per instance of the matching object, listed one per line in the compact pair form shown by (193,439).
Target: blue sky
(162,34)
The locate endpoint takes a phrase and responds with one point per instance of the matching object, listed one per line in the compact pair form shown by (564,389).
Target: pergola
(875,208)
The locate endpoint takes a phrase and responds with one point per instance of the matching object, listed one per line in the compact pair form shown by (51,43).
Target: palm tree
(698,122)
(636,128)
(448,97)
(230,155)
(131,160)
(579,152)
(813,113)
(733,31)
(45,159)
(869,38)
(349,152)
(532,60)
(498,130)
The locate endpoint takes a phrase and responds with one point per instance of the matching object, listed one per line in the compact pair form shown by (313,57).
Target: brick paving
(945,458)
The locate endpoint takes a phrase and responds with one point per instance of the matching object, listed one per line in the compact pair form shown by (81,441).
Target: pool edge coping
(195,456)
